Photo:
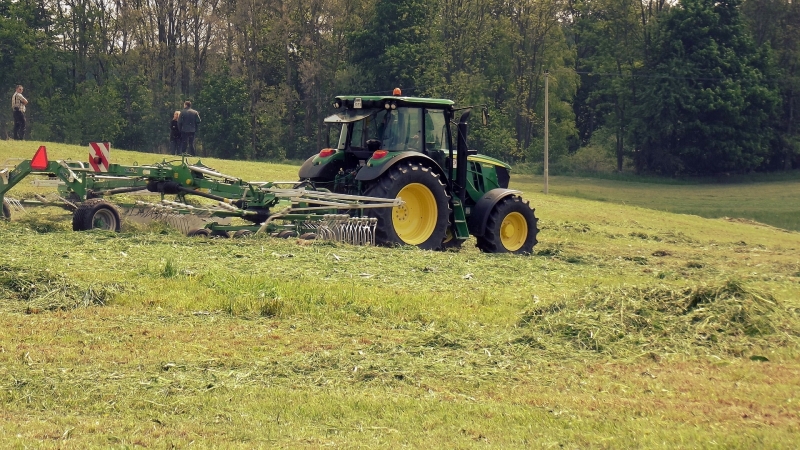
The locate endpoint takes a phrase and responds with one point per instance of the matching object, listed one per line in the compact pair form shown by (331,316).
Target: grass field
(629,327)
(773,202)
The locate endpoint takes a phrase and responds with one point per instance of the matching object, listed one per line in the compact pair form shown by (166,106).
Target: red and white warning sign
(99,155)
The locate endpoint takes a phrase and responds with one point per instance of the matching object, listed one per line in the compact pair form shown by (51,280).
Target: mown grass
(629,327)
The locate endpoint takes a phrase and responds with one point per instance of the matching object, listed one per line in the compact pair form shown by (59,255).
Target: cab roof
(378,101)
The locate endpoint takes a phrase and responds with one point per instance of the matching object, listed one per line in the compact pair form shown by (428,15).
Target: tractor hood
(349,116)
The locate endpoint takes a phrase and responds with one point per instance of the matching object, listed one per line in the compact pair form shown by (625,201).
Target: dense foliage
(693,87)
(713,110)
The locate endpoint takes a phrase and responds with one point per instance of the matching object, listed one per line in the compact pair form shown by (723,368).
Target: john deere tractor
(395,146)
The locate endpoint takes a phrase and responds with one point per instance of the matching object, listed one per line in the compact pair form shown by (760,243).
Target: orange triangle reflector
(39,161)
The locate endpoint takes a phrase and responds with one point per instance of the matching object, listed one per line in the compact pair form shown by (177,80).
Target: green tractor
(402,147)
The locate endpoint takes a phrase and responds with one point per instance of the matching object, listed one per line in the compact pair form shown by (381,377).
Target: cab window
(436,131)
(398,129)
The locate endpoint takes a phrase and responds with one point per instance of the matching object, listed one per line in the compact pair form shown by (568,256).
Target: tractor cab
(405,128)
(373,129)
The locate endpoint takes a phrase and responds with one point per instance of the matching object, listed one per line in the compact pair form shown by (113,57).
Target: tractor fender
(480,212)
(311,171)
(369,173)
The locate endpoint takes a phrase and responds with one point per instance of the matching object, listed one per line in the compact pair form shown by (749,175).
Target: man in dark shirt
(187,123)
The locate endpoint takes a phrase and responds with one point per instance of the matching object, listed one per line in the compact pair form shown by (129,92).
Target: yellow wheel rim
(513,231)
(415,220)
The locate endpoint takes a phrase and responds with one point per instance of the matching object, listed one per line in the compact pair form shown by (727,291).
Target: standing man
(187,123)
(18,103)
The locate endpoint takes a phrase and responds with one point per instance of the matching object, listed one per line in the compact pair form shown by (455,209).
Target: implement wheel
(96,213)
(199,232)
(6,212)
(242,234)
(510,228)
(424,217)
(450,241)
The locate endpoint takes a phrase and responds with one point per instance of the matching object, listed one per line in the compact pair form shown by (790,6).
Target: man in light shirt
(18,103)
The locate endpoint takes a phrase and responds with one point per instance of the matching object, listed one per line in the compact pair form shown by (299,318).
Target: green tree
(91,112)
(396,46)
(500,61)
(225,129)
(709,107)
(777,23)
(139,116)
(28,56)
(608,36)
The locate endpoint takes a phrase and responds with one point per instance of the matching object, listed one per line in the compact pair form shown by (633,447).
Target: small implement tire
(96,213)
(199,232)
(510,228)
(286,234)
(308,236)
(220,234)
(451,242)
(424,217)
(6,212)
(242,234)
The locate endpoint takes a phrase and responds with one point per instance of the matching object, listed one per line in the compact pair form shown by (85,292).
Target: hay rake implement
(283,209)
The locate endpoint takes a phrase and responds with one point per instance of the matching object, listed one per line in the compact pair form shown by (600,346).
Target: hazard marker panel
(39,161)
(99,155)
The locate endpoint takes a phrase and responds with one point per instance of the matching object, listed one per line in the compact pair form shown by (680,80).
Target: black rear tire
(423,219)
(96,213)
(199,232)
(510,228)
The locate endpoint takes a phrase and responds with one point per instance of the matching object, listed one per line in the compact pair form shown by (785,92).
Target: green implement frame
(271,207)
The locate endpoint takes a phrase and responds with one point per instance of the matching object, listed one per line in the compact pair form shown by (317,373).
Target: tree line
(693,87)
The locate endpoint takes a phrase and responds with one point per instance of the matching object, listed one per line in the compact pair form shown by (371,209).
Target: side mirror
(485,116)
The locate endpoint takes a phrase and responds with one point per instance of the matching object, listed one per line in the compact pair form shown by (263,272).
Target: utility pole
(546,127)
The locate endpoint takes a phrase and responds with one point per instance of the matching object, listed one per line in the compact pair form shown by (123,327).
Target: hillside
(769,199)
(628,327)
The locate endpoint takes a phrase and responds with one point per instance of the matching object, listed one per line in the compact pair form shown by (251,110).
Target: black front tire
(510,228)
(424,217)
(96,213)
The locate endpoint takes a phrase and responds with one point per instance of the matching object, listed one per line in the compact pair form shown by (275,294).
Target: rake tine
(13,203)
